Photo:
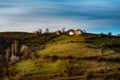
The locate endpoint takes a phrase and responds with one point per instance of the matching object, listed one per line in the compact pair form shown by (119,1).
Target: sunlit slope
(71,45)
(57,53)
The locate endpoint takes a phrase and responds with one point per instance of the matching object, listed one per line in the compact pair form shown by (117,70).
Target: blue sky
(91,15)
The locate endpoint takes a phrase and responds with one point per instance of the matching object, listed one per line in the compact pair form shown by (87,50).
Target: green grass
(99,41)
(65,38)
(40,67)
(90,65)
(68,45)
(26,67)
(70,49)
(53,67)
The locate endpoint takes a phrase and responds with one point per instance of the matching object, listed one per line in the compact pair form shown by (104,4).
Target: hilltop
(88,56)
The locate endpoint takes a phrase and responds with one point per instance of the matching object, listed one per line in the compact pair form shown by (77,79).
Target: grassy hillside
(72,57)
(67,45)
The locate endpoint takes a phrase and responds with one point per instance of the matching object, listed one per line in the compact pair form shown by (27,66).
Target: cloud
(28,15)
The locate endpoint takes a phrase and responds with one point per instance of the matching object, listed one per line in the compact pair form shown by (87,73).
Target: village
(14,54)
(71,32)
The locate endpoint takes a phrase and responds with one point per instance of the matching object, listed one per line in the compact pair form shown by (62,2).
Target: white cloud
(29,15)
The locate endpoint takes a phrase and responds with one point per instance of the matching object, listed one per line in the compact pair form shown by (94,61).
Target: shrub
(36,55)
(10,72)
(46,56)
(116,75)
(88,75)
(69,57)
(71,70)
(88,40)
(54,58)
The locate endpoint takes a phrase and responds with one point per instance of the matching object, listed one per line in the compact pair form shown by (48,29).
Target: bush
(69,57)
(87,40)
(36,55)
(46,56)
(71,70)
(54,58)
(88,75)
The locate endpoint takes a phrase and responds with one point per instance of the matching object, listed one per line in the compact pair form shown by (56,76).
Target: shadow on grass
(101,58)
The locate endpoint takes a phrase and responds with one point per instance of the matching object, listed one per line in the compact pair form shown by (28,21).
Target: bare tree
(7,54)
(63,29)
(47,30)
(15,47)
(39,31)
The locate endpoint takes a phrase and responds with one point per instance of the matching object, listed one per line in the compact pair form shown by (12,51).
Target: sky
(94,16)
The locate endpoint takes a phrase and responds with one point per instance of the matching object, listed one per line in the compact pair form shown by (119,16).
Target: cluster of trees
(47,31)
(31,40)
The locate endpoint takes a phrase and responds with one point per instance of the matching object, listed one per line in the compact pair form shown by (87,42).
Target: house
(71,32)
(78,32)
(58,32)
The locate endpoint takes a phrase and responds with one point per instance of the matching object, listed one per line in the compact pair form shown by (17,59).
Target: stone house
(71,32)
(78,32)
(58,32)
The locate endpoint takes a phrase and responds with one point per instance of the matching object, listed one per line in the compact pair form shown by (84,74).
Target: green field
(67,57)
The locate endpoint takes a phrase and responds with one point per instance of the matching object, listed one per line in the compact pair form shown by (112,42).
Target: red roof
(71,30)
(78,30)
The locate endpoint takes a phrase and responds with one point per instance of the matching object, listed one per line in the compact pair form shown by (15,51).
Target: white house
(71,32)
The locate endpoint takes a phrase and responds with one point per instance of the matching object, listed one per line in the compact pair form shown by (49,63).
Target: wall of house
(71,33)
(78,32)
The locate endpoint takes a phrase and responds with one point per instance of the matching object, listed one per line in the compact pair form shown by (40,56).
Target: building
(58,32)
(71,32)
(78,32)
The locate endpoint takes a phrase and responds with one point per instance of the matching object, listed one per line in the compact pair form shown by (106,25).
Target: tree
(118,35)
(84,31)
(25,51)
(39,31)
(63,29)
(7,55)
(110,34)
(47,30)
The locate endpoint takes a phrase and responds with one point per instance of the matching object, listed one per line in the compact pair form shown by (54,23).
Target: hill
(89,56)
